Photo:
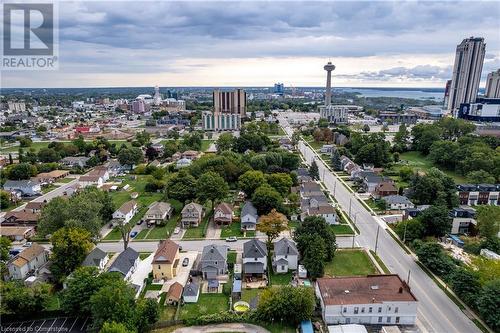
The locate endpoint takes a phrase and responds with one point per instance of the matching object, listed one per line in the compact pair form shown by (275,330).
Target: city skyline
(380,44)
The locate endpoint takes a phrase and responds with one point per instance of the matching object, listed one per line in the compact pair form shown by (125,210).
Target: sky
(258,43)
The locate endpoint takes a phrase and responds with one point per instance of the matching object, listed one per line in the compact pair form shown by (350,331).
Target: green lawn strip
(372,204)
(113,235)
(399,242)
(280,279)
(49,188)
(278,327)
(142,234)
(349,263)
(231,257)
(248,295)
(480,326)
(65,180)
(380,262)
(250,234)
(144,255)
(207,304)
(200,230)
(421,162)
(342,229)
(205,144)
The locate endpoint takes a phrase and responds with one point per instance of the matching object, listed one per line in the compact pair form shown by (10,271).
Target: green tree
(250,181)
(401,139)
(211,186)
(336,162)
(4,199)
(405,172)
(410,230)
(192,141)
(424,136)
(480,177)
(316,225)
(70,246)
(488,221)
(436,221)
(434,188)
(54,215)
(224,142)
(314,255)
(22,301)
(466,285)
(25,142)
(286,304)
(130,156)
(47,155)
(488,304)
(22,171)
(114,327)
(170,148)
(114,302)
(281,182)
(181,186)
(433,257)
(147,313)
(266,198)
(314,171)
(444,153)
(5,244)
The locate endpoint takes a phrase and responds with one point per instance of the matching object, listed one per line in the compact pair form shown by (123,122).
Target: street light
(404,233)
(376,239)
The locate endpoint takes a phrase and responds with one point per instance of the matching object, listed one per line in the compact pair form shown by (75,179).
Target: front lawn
(199,231)
(207,304)
(349,263)
(342,229)
(231,257)
(281,279)
(234,229)
(113,235)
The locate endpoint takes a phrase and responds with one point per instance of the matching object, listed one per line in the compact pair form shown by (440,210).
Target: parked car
(231,239)
(27,244)
(185,262)
(140,222)
(133,234)
(177,230)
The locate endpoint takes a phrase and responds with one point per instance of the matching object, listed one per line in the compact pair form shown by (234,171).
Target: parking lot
(54,325)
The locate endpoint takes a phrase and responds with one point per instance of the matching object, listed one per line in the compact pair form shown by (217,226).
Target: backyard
(349,263)
(207,304)
(280,279)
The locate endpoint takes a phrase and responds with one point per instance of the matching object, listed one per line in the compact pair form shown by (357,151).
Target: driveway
(142,271)
(182,272)
(235,327)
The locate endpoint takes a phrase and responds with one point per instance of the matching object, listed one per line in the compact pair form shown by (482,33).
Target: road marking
(50,328)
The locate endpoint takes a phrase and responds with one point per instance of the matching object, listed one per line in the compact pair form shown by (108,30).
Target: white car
(27,244)
(177,230)
(231,239)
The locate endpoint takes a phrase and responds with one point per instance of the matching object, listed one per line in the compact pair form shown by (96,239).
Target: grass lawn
(207,304)
(278,328)
(293,224)
(342,229)
(113,235)
(49,188)
(198,232)
(136,185)
(164,231)
(248,295)
(420,162)
(167,312)
(144,255)
(234,229)
(283,279)
(65,180)
(349,263)
(231,257)
(205,144)
(372,204)
(142,234)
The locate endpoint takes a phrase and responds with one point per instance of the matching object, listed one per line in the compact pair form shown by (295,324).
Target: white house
(285,256)
(372,300)
(91,180)
(28,261)
(398,202)
(183,162)
(249,216)
(254,258)
(26,187)
(126,263)
(126,211)
(96,258)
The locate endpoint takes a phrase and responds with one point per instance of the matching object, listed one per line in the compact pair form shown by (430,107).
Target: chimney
(400,290)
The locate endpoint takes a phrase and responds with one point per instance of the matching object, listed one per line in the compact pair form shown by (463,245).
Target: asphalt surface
(436,312)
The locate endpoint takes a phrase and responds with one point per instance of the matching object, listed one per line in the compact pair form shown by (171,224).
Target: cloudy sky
(144,43)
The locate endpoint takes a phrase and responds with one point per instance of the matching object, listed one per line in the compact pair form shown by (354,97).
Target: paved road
(194,245)
(436,312)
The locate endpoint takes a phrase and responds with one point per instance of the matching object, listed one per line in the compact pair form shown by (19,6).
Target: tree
(480,177)
(130,156)
(488,222)
(444,153)
(143,138)
(266,198)
(250,181)
(47,155)
(181,186)
(314,255)
(114,302)
(22,171)
(281,182)
(466,285)
(434,188)
(54,215)
(405,172)
(488,304)
(224,142)
(147,313)
(211,186)
(272,225)
(5,244)
(336,162)
(286,304)
(170,148)
(410,229)
(436,221)
(424,136)
(192,141)
(432,256)
(401,139)
(151,153)
(114,327)
(314,171)
(70,246)
(125,229)
(22,301)
(316,225)
(25,141)
(4,199)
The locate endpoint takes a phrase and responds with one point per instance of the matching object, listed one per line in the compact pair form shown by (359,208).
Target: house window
(379,309)
(389,309)
(396,309)
(345,310)
(397,320)
(356,310)
(283,267)
(370,309)
(388,319)
(362,310)
(379,319)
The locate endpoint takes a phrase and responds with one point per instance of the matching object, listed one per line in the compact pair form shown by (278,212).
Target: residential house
(115,168)
(463,220)
(370,181)
(27,262)
(327,149)
(318,206)
(25,187)
(285,256)
(51,177)
(370,300)
(479,194)
(96,258)
(174,293)
(191,293)
(249,217)
(158,147)
(411,213)
(223,214)
(125,263)
(310,189)
(74,161)
(191,215)
(17,234)
(385,188)
(158,212)
(166,260)
(398,202)
(126,211)
(183,162)
(190,154)
(91,180)
(100,171)
(34,207)
(214,261)
(20,218)
(254,258)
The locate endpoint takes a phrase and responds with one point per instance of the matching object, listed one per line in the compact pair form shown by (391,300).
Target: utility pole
(408,279)
(334,187)
(376,239)
(404,233)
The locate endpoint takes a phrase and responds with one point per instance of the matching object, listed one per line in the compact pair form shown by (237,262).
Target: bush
(221,317)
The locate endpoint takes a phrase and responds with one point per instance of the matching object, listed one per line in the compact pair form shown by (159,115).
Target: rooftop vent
(375,287)
(346,291)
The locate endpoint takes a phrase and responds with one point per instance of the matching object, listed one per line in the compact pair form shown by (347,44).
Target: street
(436,312)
